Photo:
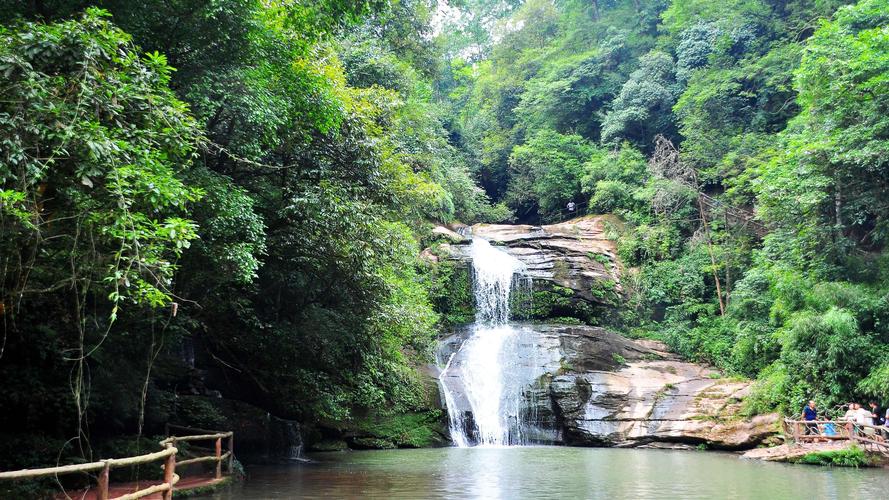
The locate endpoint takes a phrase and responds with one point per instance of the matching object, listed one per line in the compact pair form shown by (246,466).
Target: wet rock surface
(575,255)
(602,389)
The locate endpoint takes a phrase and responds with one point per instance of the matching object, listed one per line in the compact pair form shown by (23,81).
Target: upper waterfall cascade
(493,273)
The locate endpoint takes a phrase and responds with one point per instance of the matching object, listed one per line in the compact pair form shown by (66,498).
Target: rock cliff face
(597,388)
(575,255)
(601,389)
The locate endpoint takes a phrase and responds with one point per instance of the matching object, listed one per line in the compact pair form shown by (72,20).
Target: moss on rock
(450,290)
(405,430)
(559,304)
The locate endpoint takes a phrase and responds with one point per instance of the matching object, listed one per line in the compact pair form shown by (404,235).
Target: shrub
(768,392)
(852,456)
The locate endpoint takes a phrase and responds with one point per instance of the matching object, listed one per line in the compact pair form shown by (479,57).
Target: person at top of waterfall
(810,415)
(571,206)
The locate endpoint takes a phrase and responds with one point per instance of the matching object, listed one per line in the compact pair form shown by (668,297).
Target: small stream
(534,472)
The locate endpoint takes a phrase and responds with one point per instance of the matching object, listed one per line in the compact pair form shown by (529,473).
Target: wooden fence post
(218,457)
(169,467)
(231,454)
(103,481)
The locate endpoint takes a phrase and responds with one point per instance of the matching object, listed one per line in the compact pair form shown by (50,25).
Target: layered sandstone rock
(602,389)
(598,388)
(575,255)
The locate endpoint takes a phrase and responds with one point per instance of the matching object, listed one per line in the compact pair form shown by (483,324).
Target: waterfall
(493,272)
(485,392)
(294,442)
(284,440)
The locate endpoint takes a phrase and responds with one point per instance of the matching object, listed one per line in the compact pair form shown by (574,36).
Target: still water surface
(552,472)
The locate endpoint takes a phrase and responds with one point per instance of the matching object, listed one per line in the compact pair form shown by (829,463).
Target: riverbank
(839,453)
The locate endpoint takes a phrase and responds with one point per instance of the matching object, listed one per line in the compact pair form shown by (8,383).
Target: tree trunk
(706,227)
(838,206)
(728,268)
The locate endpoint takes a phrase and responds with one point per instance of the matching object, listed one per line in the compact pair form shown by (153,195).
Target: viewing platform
(824,436)
(870,437)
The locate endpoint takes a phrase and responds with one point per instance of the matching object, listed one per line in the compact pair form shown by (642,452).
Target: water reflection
(552,472)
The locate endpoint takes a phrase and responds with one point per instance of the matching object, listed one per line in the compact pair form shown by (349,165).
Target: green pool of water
(552,472)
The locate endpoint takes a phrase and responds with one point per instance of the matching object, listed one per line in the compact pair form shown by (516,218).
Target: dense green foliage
(850,457)
(778,113)
(246,223)
(251,221)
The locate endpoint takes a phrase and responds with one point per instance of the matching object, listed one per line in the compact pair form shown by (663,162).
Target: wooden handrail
(208,458)
(202,437)
(196,430)
(90,467)
(217,456)
(157,488)
(168,453)
(835,422)
(848,430)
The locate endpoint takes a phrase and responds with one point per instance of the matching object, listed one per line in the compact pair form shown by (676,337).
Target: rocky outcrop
(656,401)
(602,389)
(584,385)
(575,255)
(794,452)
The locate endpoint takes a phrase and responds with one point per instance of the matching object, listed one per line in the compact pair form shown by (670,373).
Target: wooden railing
(214,436)
(871,437)
(105,466)
(168,454)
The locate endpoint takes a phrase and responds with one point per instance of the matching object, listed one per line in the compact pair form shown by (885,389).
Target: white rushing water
(485,401)
(493,271)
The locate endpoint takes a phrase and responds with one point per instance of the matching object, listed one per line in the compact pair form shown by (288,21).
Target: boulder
(657,401)
(448,234)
